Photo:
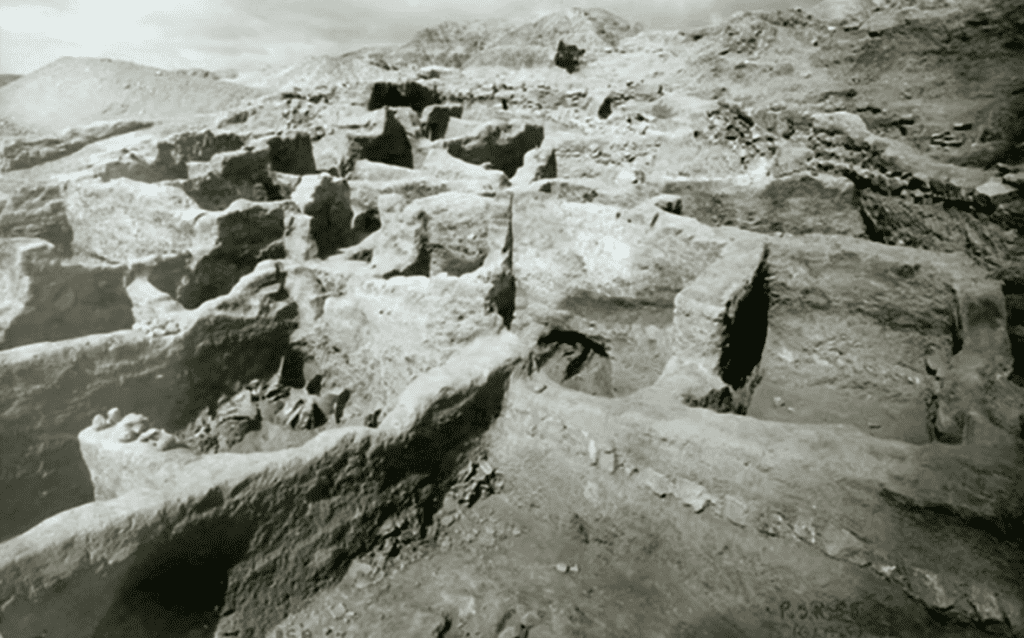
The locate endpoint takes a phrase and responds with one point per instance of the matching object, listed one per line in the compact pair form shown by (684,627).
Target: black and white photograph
(512,319)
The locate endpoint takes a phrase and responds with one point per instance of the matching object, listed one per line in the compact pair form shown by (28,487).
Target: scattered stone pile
(134,427)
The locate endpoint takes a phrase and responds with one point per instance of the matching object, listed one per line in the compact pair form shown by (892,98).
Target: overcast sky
(220,34)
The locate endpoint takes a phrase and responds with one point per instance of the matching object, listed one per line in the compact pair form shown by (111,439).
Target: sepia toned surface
(571,327)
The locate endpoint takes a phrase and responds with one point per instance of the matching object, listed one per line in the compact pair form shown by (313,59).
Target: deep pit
(575,362)
(411,94)
(635,338)
(746,330)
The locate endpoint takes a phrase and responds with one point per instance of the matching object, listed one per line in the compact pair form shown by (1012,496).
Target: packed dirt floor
(567,327)
(569,548)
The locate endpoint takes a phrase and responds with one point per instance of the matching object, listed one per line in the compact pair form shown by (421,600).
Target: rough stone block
(401,245)
(996,191)
(447,167)
(435,119)
(125,220)
(229,244)
(848,124)
(500,145)
(326,200)
(538,163)
(299,241)
(977,403)
(459,229)
(799,203)
(43,298)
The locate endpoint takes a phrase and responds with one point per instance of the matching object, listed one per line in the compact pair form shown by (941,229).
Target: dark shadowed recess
(575,361)
(64,479)
(506,157)
(1013,290)
(411,94)
(746,329)
(217,273)
(568,56)
(178,588)
(392,147)
(745,334)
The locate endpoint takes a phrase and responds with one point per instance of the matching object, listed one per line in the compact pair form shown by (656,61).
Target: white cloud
(102,28)
(26,18)
(89,23)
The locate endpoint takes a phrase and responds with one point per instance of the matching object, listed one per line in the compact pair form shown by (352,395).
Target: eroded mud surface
(561,328)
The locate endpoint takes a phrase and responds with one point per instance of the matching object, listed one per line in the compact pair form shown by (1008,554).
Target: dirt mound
(582,27)
(356,67)
(450,43)
(109,90)
(534,44)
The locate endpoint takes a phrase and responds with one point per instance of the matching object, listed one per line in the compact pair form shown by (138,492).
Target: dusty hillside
(530,45)
(352,68)
(109,90)
(451,43)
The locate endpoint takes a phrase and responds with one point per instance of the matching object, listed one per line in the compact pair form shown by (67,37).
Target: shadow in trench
(575,361)
(745,334)
(35,487)
(177,590)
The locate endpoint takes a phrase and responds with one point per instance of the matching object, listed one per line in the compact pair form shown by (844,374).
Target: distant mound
(501,43)
(840,11)
(534,44)
(77,91)
(357,67)
(584,27)
(450,43)
(454,44)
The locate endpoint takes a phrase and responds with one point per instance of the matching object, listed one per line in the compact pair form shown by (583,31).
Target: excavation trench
(256,537)
(583,363)
(745,334)
(411,94)
(724,385)
(170,379)
(225,377)
(624,350)
(630,344)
